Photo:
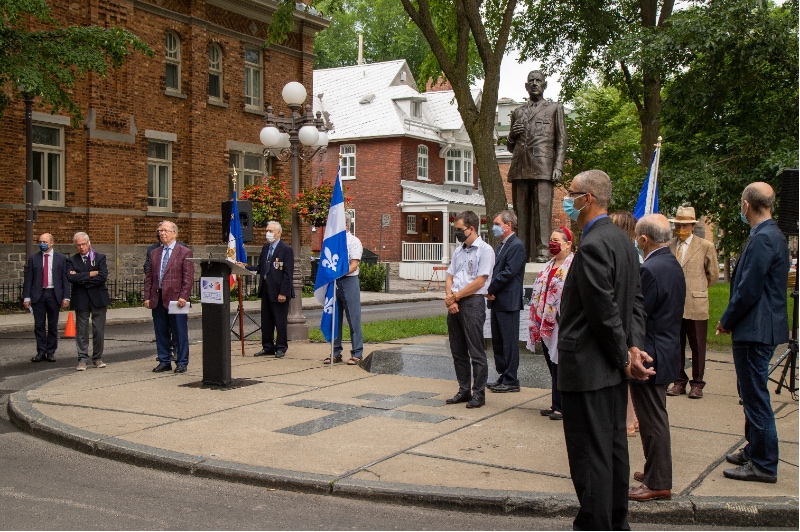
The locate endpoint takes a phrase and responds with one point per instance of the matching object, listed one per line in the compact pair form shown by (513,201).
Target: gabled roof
(422,192)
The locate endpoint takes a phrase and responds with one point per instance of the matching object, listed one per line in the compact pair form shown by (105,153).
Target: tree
(607,37)
(731,117)
(45,63)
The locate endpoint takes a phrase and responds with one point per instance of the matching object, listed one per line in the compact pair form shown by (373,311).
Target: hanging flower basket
(312,204)
(271,201)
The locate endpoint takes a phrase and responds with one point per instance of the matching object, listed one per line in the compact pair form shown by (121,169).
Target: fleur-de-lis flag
(334,262)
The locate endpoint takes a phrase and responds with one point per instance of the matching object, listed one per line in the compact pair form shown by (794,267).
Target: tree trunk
(649,116)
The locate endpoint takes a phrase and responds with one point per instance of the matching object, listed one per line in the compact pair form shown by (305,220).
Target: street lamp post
(297,136)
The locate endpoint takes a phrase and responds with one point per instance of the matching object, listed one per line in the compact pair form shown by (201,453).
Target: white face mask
(270,237)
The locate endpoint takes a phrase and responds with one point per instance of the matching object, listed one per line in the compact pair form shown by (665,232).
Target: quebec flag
(333,262)
(648,197)
(235,242)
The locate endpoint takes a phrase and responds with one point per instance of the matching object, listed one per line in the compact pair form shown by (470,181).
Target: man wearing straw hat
(698,258)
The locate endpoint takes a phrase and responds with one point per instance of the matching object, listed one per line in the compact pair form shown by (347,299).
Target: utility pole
(30,203)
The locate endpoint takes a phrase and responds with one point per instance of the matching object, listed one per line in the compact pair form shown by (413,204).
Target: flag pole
(333,320)
(241,309)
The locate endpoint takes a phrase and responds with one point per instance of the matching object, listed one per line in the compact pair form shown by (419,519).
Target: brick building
(161,134)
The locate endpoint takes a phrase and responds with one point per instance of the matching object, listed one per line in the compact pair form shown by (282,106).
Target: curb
(718,511)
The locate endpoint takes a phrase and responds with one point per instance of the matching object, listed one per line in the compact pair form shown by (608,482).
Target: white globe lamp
(294,93)
(270,137)
(308,135)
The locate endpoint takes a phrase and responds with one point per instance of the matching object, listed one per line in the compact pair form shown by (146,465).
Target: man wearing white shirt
(348,300)
(466,287)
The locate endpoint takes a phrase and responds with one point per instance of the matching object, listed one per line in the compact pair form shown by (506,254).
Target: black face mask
(460,235)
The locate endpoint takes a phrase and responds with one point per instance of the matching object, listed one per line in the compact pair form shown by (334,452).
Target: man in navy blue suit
(756,317)
(504,297)
(664,293)
(45,289)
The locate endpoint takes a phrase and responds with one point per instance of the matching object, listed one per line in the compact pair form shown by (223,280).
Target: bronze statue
(538,143)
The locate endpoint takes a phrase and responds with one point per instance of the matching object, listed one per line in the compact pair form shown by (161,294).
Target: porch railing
(422,252)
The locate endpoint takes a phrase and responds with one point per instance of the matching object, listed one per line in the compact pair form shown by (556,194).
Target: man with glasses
(45,288)
(87,273)
(169,279)
(602,326)
(466,287)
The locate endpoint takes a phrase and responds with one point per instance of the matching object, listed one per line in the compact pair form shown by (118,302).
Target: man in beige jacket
(698,258)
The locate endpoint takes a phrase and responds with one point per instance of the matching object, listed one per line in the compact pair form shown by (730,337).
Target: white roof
(424,193)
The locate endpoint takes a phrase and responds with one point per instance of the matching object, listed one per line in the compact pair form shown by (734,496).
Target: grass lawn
(385,331)
(718,296)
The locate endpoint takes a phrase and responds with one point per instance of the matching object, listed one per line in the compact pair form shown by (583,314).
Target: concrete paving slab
(105,422)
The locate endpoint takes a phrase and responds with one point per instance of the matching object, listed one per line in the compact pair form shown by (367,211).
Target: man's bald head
(760,196)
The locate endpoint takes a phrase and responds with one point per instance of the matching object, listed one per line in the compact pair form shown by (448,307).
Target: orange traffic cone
(69,331)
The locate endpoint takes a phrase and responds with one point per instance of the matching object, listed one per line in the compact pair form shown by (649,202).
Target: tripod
(789,357)
(240,315)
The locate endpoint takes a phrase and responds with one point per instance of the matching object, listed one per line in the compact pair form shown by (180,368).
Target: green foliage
(386,331)
(46,63)
(271,201)
(371,277)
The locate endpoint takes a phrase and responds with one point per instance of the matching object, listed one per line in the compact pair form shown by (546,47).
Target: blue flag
(235,243)
(648,197)
(333,261)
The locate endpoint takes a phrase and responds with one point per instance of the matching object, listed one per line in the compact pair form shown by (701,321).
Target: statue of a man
(538,143)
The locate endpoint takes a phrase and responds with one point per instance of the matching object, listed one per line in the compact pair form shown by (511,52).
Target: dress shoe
(504,388)
(38,358)
(695,393)
(643,493)
(546,411)
(460,397)
(51,357)
(556,416)
(638,476)
(737,458)
(162,367)
(476,403)
(263,353)
(749,472)
(676,389)
(493,384)
(180,369)
(280,354)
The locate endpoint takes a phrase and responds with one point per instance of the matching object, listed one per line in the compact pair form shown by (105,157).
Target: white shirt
(49,268)
(683,246)
(472,262)
(354,252)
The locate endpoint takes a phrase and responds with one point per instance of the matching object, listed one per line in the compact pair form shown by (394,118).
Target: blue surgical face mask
(569,208)
(639,250)
(743,217)
(43,246)
(497,230)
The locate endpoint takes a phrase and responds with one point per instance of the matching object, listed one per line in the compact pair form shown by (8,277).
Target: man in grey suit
(756,317)
(504,297)
(45,288)
(537,141)
(601,330)
(664,292)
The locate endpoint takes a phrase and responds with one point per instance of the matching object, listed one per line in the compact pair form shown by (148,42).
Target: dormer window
(416,108)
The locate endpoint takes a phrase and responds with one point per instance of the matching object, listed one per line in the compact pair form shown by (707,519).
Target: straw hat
(685,215)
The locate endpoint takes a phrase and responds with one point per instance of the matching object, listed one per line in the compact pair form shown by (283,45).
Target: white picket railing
(422,252)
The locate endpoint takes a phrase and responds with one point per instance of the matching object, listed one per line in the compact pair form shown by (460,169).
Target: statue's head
(536,84)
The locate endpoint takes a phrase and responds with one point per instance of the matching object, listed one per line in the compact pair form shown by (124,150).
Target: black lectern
(215,293)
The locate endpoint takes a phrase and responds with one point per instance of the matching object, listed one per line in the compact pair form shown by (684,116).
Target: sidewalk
(296,424)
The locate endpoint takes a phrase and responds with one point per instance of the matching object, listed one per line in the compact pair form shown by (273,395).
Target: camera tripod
(789,357)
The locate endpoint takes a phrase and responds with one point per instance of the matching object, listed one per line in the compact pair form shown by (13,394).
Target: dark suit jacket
(178,277)
(664,292)
(543,145)
(507,276)
(86,288)
(34,275)
(602,313)
(276,277)
(757,309)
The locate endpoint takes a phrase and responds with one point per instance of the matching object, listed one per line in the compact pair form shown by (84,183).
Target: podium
(216,317)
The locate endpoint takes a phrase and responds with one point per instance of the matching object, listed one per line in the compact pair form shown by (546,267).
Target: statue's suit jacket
(543,145)
(701,270)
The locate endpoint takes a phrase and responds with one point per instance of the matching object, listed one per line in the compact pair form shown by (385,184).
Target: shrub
(372,277)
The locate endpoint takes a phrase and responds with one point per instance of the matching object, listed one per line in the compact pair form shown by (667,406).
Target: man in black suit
(87,273)
(505,301)
(45,288)
(601,328)
(275,269)
(664,292)
(757,318)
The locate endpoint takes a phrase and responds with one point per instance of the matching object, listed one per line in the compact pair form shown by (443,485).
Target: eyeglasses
(81,244)
(164,231)
(576,193)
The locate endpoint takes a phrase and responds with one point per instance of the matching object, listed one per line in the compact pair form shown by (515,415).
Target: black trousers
(555,402)
(650,404)
(597,449)
(45,319)
(695,331)
(505,344)
(274,316)
(465,330)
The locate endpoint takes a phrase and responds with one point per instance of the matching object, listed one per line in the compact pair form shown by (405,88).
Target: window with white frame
(352,213)
(214,72)
(173,62)
(159,176)
(250,168)
(253,76)
(348,161)
(458,165)
(411,224)
(416,108)
(48,163)
(422,162)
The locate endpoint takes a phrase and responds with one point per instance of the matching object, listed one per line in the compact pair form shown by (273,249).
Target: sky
(513,76)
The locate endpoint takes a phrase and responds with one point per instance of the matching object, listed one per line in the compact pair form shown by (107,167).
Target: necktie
(269,254)
(85,260)
(164,261)
(499,248)
(46,277)
(684,247)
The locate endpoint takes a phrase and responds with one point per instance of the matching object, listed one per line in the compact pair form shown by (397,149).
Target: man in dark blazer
(757,318)
(275,270)
(601,330)
(664,292)
(537,141)
(505,301)
(45,289)
(169,279)
(87,273)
